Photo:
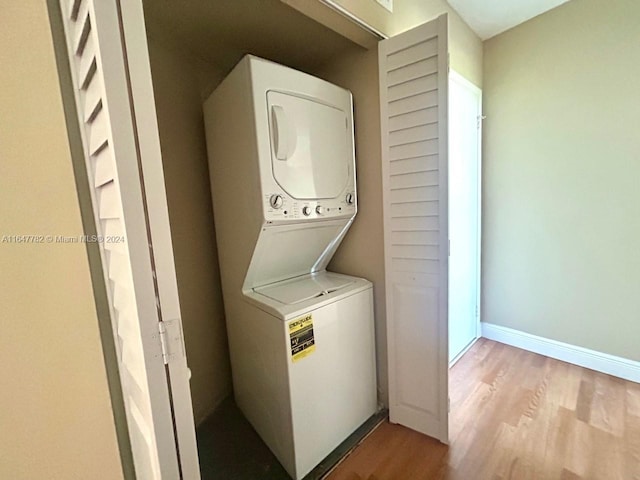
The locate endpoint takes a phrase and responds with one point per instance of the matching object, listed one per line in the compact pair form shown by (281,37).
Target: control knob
(319,209)
(306,210)
(350,198)
(276,201)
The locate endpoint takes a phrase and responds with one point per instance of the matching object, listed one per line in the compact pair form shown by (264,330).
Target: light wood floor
(515,415)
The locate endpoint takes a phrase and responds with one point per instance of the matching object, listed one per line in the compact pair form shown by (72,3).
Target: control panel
(281,207)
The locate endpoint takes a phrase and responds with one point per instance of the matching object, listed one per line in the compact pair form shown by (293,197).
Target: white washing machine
(301,339)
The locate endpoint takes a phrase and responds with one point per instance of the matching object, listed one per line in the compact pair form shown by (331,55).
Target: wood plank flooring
(514,415)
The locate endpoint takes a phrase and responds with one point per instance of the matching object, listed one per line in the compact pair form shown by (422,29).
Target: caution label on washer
(301,336)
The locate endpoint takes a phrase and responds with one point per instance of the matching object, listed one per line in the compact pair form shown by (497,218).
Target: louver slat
(83,27)
(74,7)
(412,71)
(413,119)
(412,87)
(413,134)
(104,167)
(109,201)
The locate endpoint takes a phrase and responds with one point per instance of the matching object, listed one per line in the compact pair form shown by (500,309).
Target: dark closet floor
(230,449)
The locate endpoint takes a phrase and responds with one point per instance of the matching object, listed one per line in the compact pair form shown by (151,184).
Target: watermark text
(48,239)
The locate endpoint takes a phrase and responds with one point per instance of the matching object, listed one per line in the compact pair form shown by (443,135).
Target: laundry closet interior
(192,47)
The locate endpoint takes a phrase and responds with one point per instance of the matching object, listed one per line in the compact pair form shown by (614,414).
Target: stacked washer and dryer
(301,339)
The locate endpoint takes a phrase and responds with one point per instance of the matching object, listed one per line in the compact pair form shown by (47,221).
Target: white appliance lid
(290,250)
(309,146)
(298,290)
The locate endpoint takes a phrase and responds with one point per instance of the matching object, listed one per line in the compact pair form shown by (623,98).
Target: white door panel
(136,252)
(413,103)
(141,84)
(465,110)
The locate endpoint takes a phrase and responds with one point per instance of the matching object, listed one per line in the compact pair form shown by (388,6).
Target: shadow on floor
(230,449)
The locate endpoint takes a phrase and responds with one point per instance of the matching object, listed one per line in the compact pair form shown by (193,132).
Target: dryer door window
(310,151)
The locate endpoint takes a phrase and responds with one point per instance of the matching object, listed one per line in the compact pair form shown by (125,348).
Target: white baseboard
(583,357)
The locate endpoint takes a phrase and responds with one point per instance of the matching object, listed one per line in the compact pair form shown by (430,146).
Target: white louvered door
(127,185)
(413,106)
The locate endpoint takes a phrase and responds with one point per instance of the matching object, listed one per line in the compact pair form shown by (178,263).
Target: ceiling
(220,32)
(490,17)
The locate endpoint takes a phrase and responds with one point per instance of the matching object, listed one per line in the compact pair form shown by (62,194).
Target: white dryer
(301,339)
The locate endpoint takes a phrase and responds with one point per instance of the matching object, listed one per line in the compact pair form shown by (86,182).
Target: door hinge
(170,340)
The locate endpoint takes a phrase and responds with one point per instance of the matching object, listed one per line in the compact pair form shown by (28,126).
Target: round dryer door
(310,147)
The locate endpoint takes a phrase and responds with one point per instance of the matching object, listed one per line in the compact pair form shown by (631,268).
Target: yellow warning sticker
(301,336)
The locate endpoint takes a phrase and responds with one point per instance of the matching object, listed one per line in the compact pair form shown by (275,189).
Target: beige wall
(561,176)
(55,410)
(465,46)
(176,79)
(362,251)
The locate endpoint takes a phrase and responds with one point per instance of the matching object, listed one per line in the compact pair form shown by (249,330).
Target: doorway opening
(465,127)
(192,49)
